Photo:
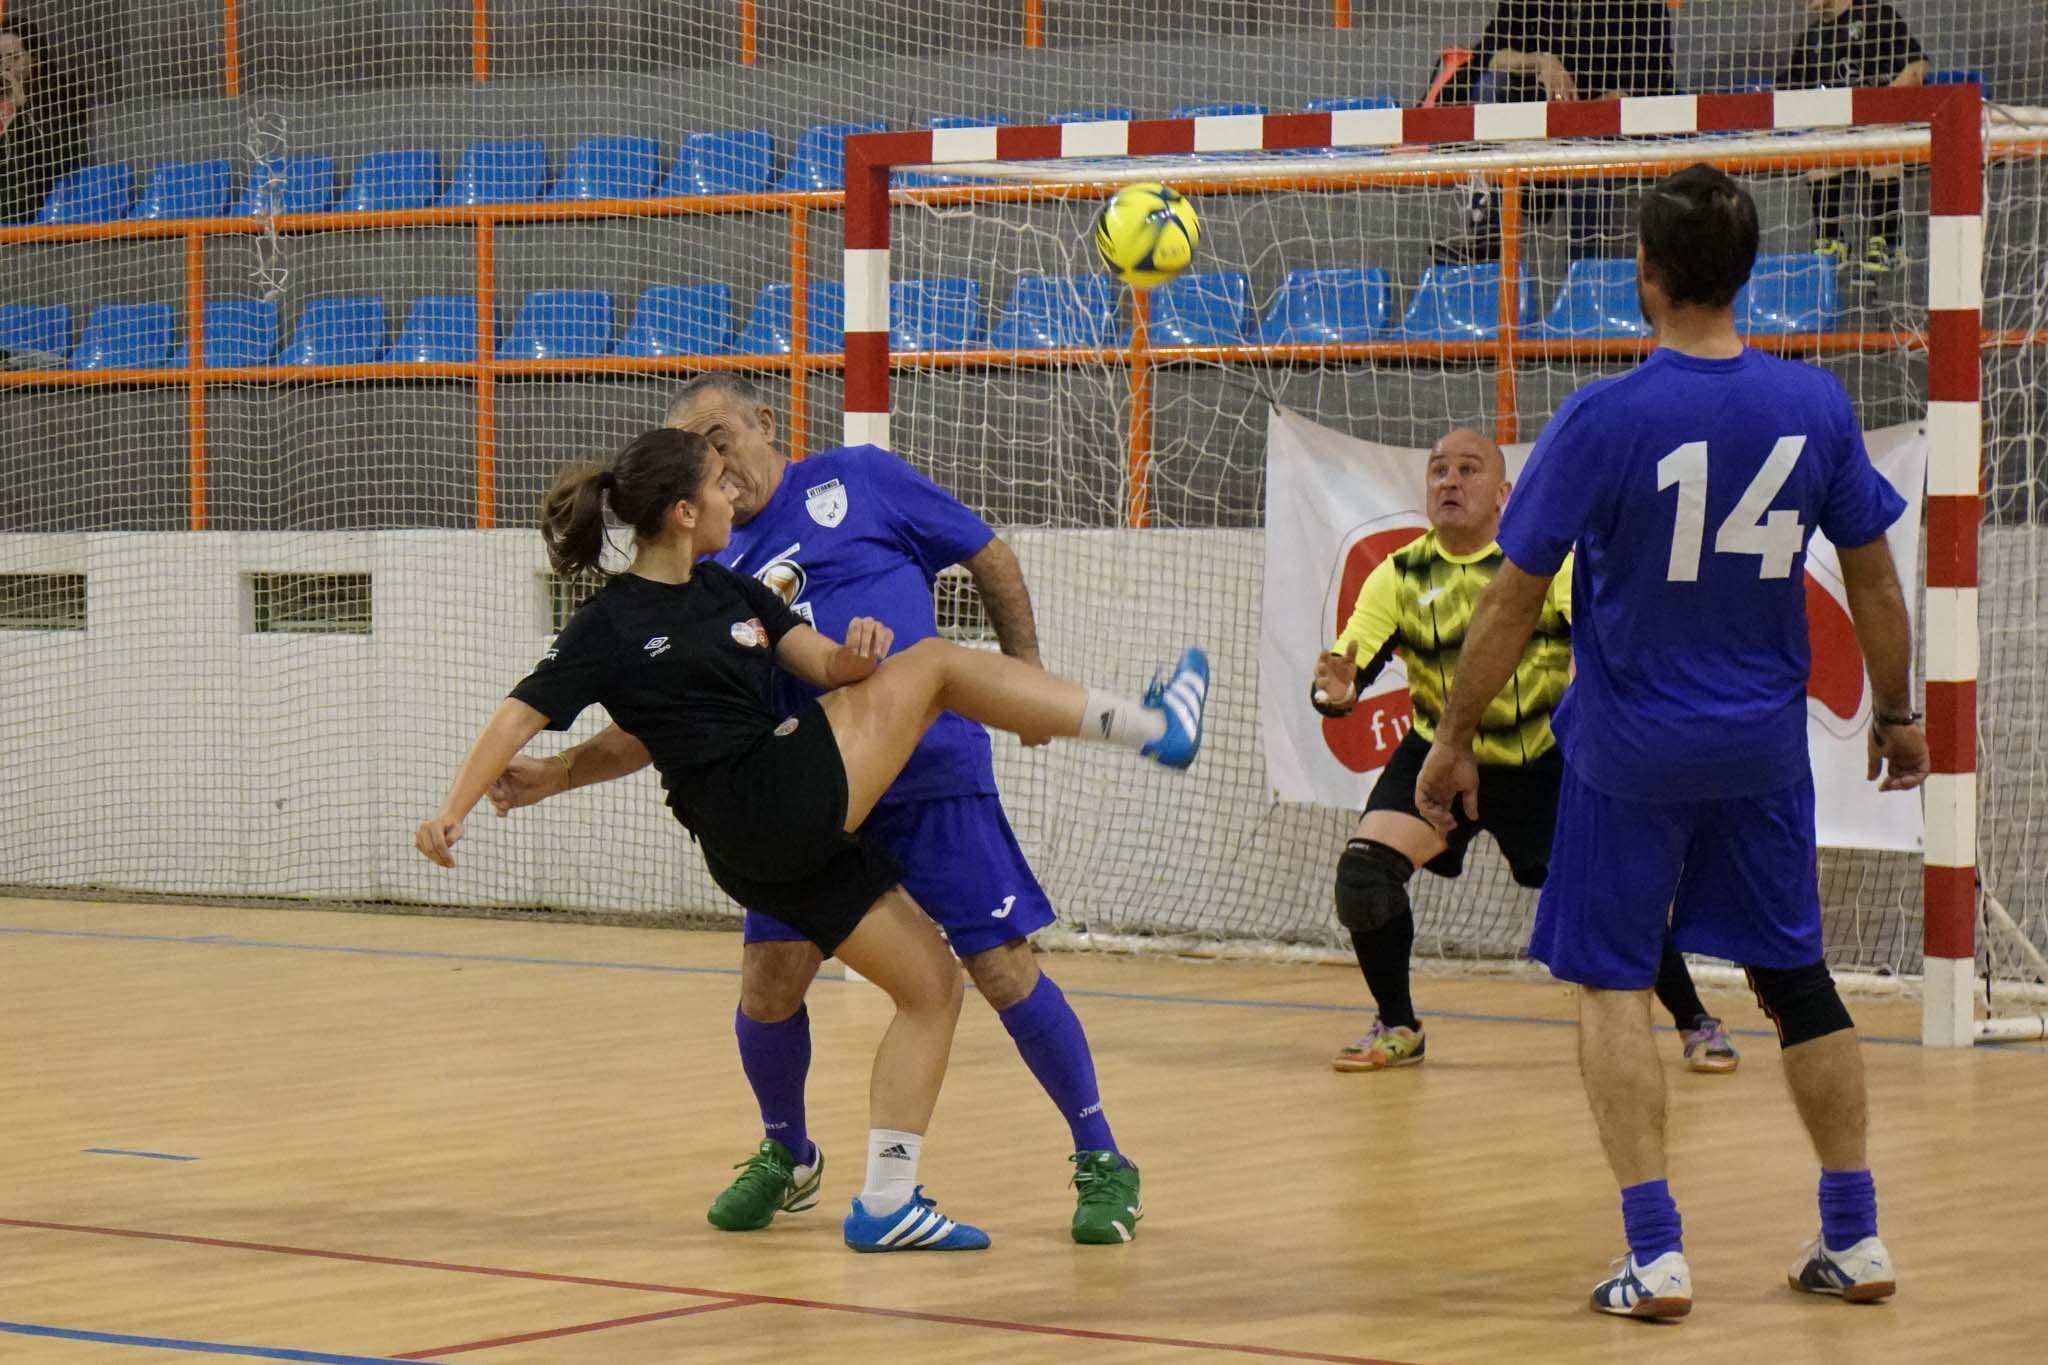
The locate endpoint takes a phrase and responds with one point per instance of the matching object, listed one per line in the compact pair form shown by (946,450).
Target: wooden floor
(437,1139)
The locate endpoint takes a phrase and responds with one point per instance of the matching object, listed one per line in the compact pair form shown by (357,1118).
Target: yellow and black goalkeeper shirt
(1419,600)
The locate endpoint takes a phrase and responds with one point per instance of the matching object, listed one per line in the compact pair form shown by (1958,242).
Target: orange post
(747,23)
(1034,23)
(195,397)
(1138,505)
(231,47)
(799,345)
(480,39)
(1340,13)
(1505,417)
(486,390)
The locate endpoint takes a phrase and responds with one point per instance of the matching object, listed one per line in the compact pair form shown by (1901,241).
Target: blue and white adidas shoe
(917,1226)
(1862,1274)
(1661,1289)
(1181,700)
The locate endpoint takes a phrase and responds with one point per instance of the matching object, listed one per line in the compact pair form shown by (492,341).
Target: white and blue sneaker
(1862,1274)
(1181,700)
(1661,1289)
(917,1226)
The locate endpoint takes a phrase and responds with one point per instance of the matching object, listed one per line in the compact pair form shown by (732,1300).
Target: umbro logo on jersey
(894,1152)
(656,647)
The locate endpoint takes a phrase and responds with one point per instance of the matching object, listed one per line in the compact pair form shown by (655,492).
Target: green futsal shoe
(1108,1209)
(770,1182)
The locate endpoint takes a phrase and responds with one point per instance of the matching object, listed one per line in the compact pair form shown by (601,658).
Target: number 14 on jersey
(1775,538)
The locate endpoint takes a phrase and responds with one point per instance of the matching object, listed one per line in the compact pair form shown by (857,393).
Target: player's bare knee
(775,977)
(1372,885)
(1801,1001)
(1004,974)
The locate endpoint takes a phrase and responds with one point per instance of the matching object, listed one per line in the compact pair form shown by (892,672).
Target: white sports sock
(892,1169)
(1111,719)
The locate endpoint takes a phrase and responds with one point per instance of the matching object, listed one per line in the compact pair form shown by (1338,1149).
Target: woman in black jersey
(680,653)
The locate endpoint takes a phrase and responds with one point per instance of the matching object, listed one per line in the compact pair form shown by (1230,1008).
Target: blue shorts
(1735,878)
(961,865)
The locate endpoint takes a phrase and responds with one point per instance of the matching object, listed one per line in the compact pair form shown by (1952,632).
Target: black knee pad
(1802,1002)
(1372,885)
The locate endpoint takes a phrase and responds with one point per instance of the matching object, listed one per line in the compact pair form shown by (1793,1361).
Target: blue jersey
(857,532)
(1690,488)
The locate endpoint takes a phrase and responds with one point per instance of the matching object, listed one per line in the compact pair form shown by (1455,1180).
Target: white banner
(1336,506)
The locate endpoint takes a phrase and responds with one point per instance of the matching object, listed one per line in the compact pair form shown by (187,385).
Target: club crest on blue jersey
(786,579)
(826,503)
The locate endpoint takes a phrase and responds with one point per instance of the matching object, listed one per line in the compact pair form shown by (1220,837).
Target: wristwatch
(1884,722)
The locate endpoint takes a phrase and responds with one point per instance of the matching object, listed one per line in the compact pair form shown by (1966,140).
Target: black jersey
(1606,45)
(682,667)
(1866,44)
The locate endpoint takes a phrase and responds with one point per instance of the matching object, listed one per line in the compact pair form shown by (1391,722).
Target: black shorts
(1517,806)
(772,830)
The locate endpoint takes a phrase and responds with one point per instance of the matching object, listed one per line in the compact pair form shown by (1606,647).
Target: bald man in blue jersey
(1690,486)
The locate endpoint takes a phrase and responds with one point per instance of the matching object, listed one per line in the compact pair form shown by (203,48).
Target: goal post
(987,168)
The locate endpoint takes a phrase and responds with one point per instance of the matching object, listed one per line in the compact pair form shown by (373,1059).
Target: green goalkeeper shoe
(770,1182)
(1108,1209)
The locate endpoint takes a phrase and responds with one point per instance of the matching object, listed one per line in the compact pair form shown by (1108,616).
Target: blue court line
(215,1348)
(1134,997)
(124,1151)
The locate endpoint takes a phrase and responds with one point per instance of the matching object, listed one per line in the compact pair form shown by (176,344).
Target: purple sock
(1649,1217)
(1049,1038)
(777,1058)
(1848,1208)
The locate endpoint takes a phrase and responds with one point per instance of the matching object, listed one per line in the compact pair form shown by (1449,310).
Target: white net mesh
(193,713)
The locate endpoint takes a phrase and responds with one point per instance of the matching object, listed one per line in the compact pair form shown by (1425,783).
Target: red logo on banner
(1364,740)
(1836,681)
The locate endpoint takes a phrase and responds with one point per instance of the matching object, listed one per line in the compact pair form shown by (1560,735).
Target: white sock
(892,1169)
(1111,719)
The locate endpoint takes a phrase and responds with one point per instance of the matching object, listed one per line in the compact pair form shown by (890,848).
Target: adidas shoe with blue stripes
(917,1226)
(1661,1289)
(1181,700)
(1862,1274)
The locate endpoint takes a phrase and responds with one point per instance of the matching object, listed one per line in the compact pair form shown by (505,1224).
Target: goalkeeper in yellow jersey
(1419,601)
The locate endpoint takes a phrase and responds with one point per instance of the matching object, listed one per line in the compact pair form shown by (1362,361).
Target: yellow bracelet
(567,759)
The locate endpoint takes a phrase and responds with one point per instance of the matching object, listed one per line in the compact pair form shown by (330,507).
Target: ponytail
(659,469)
(572,518)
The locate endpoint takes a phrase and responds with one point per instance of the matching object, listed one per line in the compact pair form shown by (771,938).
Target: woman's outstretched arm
(505,734)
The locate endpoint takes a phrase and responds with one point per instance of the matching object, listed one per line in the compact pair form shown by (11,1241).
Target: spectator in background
(1851,43)
(42,120)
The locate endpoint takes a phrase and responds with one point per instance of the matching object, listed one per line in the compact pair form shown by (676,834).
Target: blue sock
(1049,1037)
(777,1058)
(1848,1208)
(1649,1217)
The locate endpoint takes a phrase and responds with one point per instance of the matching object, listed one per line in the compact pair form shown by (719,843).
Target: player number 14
(1776,538)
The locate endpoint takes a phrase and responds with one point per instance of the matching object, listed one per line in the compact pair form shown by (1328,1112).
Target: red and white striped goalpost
(1954,116)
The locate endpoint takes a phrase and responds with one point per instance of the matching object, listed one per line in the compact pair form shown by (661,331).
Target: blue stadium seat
(819,162)
(1203,308)
(1960,75)
(1337,103)
(768,327)
(1598,300)
(680,319)
(733,162)
(1047,312)
(1462,303)
(125,336)
(1217,110)
(1792,293)
(609,168)
(238,332)
(560,324)
(942,314)
(1330,305)
(499,173)
(440,329)
(297,184)
(38,336)
(405,179)
(346,329)
(1114,114)
(90,194)
(184,189)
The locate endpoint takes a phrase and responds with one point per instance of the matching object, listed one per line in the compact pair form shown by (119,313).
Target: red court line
(548,1334)
(729,1297)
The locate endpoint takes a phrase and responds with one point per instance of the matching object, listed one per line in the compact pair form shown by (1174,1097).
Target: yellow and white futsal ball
(1147,234)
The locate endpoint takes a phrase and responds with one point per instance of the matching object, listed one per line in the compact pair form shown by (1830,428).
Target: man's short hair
(1699,235)
(732,383)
